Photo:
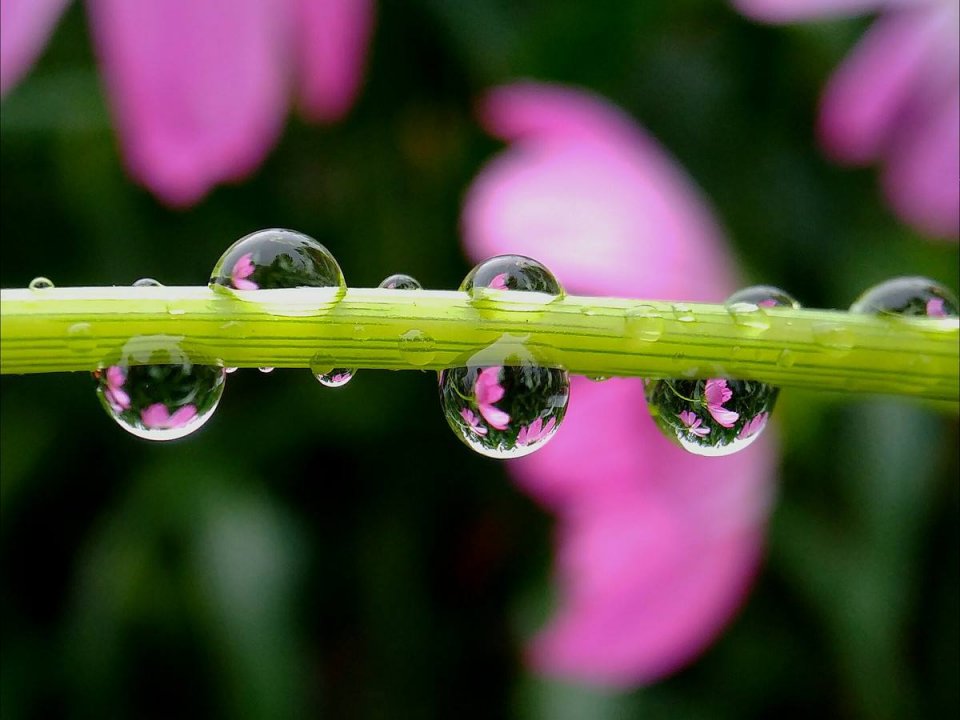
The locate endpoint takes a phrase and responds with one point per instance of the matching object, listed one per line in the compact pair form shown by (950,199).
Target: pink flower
(693,423)
(716,394)
(158,417)
(768,303)
(895,100)
(935,307)
(657,546)
(487,391)
(473,421)
(242,269)
(200,89)
(115,394)
(754,425)
(536,431)
(499,282)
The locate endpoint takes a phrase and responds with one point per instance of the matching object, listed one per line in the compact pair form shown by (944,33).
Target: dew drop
(763,296)
(909,296)
(835,339)
(417,347)
(644,322)
(338,377)
(400,281)
(511,272)
(147,282)
(711,417)
(266,369)
(80,338)
(683,312)
(277,259)
(504,411)
(163,401)
(40,283)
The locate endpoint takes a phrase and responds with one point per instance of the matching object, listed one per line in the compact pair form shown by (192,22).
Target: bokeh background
(309,552)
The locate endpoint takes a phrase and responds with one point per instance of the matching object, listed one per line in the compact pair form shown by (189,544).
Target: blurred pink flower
(895,100)
(657,547)
(487,391)
(693,423)
(200,89)
(157,416)
(242,269)
(935,307)
(717,393)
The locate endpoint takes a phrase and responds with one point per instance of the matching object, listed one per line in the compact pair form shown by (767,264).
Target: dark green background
(315,552)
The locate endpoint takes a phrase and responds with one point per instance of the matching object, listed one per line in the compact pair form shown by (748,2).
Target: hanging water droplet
(40,283)
(910,296)
(511,272)
(399,281)
(230,370)
(80,338)
(504,411)
(711,417)
(338,377)
(147,282)
(163,401)
(417,347)
(275,259)
(644,322)
(266,369)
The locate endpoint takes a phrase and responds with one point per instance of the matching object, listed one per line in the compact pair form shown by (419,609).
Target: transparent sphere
(274,259)
(711,417)
(511,272)
(338,377)
(916,296)
(504,411)
(399,281)
(763,296)
(160,402)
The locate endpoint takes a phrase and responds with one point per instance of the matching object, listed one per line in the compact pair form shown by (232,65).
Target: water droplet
(711,417)
(597,378)
(400,281)
(266,369)
(786,358)
(644,322)
(160,401)
(276,259)
(230,370)
(764,296)
(41,283)
(910,296)
(147,282)
(836,339)
(80,338)
(416,347)
(504,411)
(321,363)
(683,312)
(511,272)
(338,377)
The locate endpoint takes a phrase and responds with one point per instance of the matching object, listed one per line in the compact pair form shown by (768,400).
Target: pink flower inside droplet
(243,269)
(693,423)
(754,425)
(487,391)
(717,393)
(499,282)
(536,431)
(114,392)
(159,417)
(471,419)
(935,307)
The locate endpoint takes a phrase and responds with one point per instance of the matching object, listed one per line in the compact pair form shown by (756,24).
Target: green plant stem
(69,329)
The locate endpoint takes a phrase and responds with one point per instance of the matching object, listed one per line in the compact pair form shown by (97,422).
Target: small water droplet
(836,339)
(907,296)
(276,259)
(266,369)
(399,281)
(683,312)
(338,377)
(41,283)
(764,296)
(644,322)
(597,378)
(80,338)
(511,272)
(163,401)
(147,282)
(786,358)
(711,417)
(230,370)
(417,347)
(749,316)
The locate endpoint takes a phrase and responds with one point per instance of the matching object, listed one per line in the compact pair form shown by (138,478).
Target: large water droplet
(160,402)
(911,296)
(40,283)
(711,417)
(504,411)
(511,272)
(276,259)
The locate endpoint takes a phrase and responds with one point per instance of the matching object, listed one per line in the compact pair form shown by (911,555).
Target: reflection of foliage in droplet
(911,296)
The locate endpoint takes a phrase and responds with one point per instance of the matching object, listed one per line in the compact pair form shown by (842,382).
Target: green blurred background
(307,555)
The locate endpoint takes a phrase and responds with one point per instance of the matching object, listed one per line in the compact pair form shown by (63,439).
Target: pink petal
(182,416)
(198,89)
(922,177)
(488,389)
(25,27)
(499,282)
(585,191)
(155,416)
(240,284)
(334,35)
(785,11)
(496,417)
(118,398)
(724,417)
(865,98)
(116,376)
(935,307)
(716,391)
